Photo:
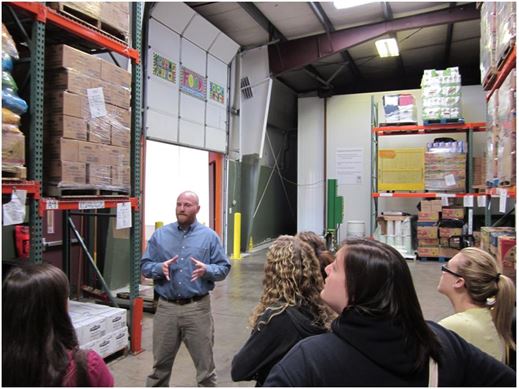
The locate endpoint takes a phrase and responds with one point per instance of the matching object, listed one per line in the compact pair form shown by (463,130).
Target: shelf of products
(429,129)
(38,25)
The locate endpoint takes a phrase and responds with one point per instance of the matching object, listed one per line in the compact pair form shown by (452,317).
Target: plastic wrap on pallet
(506,137)
(13,145)
(506,27)
(445,164)
(399,108)
(441,94)
(487,45)
(491,142)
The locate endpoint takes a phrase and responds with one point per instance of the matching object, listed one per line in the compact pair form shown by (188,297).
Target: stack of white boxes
(98,327)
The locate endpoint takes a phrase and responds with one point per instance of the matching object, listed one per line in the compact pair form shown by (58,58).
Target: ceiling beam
(297,53)
(329,28)
(448,40)
(312,72)
(262,20)
(388,15)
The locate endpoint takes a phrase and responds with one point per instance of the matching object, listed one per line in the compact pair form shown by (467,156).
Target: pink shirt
(98,373)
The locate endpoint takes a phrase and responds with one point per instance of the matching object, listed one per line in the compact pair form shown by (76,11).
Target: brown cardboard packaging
(57,126)
(427,232)
(63,149)
(99,174)
(121,136)
(92,9)
(116,75)
(428,251)
(116,15)
(428,242)
(118,116)
(448,252)
(68,79)
(99,131)
(453,213)
(118,156)
(13,147)
(65,172)
(116,94)
(64,103)
(89,152)
(121,176)
(428,216)
(63,56)
(446,232)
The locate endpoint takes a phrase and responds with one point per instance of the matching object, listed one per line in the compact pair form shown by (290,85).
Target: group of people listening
(363,326)
(349,319)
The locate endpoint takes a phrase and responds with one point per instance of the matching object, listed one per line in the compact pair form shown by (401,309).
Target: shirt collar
(190,228)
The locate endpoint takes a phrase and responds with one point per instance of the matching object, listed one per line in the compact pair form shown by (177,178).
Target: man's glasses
(446,269)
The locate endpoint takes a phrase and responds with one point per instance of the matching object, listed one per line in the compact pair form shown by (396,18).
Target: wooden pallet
(77,192)
(430,122)
(90,20)
(504,55)
(15,171)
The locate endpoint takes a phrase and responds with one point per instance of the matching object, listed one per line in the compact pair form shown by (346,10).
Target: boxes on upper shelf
(63,56)
(399,108)
(453,213)
(445,166)
(441,94)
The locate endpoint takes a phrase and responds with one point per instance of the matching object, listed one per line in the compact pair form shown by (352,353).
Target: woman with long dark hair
(39,344)
(289,309)
(381,337)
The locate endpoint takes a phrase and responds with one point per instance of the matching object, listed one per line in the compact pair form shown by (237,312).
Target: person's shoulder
(98,370)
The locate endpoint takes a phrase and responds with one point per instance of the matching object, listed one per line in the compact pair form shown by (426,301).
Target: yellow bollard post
(237,236)
(158,225)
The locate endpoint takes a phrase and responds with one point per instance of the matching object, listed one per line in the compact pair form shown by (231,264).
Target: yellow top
(475,325)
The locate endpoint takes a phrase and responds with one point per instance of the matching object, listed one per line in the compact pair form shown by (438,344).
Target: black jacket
(362,351)
(269,343)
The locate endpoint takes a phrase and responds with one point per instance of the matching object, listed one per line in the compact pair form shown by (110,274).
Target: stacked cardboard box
(445,164)
(87,136)
(505,27)
(99,328)
(396,231)
(506,255)
(489,237)
(491,135)
(505,142)
(427,228)
(487,43)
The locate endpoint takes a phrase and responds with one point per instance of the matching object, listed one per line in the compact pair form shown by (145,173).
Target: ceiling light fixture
(387,47)
(342,4)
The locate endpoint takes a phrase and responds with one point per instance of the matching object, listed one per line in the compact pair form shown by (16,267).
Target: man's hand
(165,266)
(199,271)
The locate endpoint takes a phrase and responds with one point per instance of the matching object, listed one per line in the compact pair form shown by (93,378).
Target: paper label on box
(124,215)
(14,210)
(96,102)
(468,201)
(503,193)
(482,201)
(51,204)
(445,201)
(450,180)
(91,204)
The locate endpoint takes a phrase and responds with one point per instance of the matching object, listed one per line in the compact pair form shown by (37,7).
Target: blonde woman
(483,299)
(289,310)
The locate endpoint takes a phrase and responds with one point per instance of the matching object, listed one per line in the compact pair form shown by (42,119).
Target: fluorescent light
(387,47)
(342,4)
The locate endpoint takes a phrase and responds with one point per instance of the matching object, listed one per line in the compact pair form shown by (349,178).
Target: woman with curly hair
(39,344)
(289,310)
(484,301)
(324,256)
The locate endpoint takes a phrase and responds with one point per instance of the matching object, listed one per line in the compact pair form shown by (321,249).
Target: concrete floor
(232,301)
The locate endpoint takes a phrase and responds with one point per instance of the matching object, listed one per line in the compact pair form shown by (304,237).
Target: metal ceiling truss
(388,15)
(297,53)
(448,41)
(262,20)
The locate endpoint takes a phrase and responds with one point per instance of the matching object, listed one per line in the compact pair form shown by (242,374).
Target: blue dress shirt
(199,242)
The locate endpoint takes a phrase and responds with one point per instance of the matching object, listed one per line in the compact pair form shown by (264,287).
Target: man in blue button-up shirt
(184,259)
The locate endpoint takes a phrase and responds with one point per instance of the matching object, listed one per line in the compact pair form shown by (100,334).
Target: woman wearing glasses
(483,300)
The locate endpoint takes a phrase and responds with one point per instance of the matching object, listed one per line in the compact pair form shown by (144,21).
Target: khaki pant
(192,324)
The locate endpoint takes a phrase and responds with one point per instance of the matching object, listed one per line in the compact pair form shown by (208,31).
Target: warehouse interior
(282,116)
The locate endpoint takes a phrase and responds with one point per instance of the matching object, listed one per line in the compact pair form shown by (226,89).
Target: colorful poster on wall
(164,68)
(192,83)
(216,92)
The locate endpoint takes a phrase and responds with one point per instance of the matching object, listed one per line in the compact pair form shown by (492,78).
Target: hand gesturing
(165,266)
(199,271)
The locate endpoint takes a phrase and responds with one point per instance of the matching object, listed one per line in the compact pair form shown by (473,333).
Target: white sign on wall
(349,163)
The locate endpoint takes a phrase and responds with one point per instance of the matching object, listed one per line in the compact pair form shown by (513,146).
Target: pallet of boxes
(99,327)
(501,243)
(86,123)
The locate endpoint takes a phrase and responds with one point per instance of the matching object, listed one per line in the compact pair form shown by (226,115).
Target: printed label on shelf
(385,194)
(450,180)
(446,195)
(51,204)
(503,193)
(91,204)
(96,101)
(468,201)
(482,201)
(14,210)
(470,217)
(124,216)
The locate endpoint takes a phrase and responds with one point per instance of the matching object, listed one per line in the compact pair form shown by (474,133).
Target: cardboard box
(428,251)
(428,216)
(120,136)
(506,255)
(446,232)
(61,126)
(63,56)
(116,15)
(99,131)
(116,94)
(453,213)
(118,156)
(62,103)
(88,328)
(427,232)
(68,79)
(428,242)
(485,235)
(119,339)
(431,205)
(121,176)
(99,174)
(63,149)
(115,75)
(65,172)
(13,147)
(118,116)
